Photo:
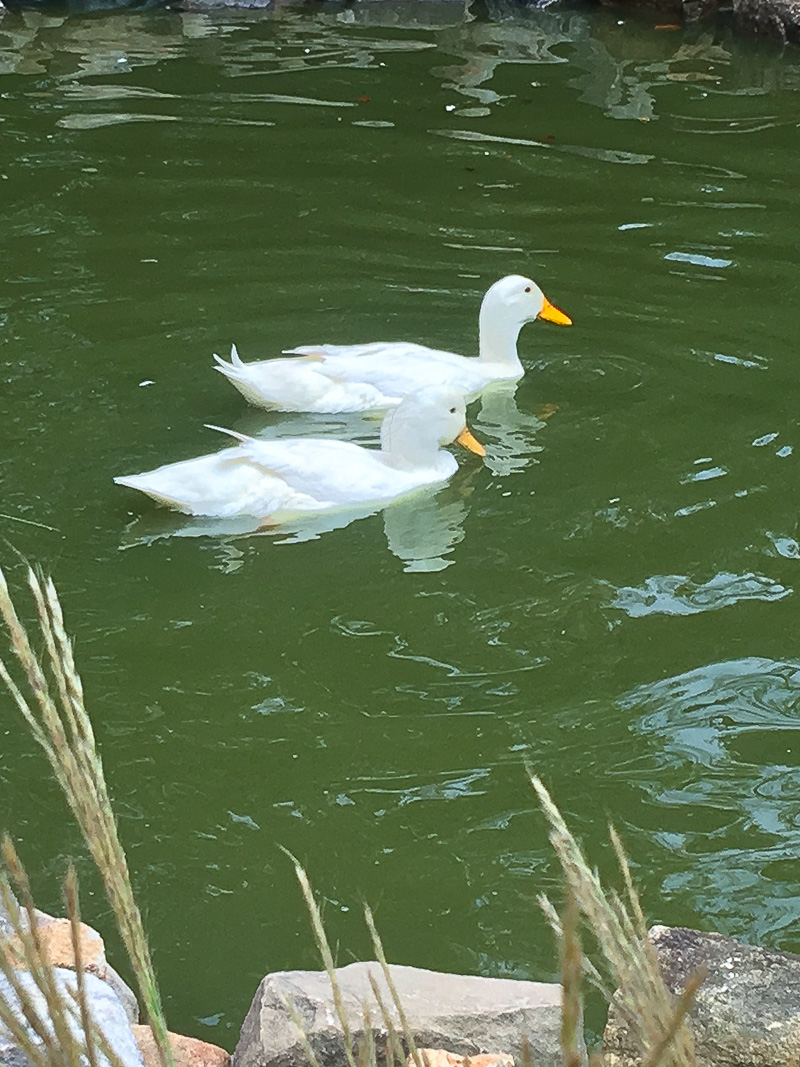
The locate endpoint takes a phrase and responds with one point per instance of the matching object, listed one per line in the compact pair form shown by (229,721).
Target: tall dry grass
(48,1018)
(56,716)
(655,1016)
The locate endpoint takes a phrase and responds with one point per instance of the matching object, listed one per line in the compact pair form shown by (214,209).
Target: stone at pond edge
(104,1007)
(56,937)
(462,1013)
(745,1014)
(188,1051)
(440,1057)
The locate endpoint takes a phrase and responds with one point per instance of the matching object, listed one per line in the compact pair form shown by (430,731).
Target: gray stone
(125,994)
(745,1014)
(461,1013)
(104,1007)
(10,1055)
(62,956)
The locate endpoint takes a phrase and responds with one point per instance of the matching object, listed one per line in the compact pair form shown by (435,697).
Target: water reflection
(484,47)
(726,753)
(509,432)
(676,594)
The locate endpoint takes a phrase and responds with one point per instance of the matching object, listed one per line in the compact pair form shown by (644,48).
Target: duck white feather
(280,479)
(339,378)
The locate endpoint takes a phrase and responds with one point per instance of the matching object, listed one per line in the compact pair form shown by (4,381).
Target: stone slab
(464,1014)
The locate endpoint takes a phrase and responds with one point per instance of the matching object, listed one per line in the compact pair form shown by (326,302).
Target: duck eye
(527,288)
(452,411)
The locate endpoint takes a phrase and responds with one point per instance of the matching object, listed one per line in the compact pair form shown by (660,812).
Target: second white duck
(277,480)
(339,378)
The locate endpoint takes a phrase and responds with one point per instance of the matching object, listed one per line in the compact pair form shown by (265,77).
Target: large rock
(104,1007)
(745,1014)
(56,937)
(460,1013)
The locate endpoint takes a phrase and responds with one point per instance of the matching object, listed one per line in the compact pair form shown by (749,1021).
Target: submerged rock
(465,1014)
(745,1014)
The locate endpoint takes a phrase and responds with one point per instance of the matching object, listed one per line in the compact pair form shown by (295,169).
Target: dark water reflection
(610,598)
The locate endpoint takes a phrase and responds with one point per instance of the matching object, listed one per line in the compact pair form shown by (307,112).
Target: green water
(610,598)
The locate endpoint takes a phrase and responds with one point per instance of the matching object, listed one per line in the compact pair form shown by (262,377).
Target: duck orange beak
(550,313)
(466,440)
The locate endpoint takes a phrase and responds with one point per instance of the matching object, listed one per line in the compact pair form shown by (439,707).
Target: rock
(745,1014)
(463,1013)
(104,1006)
(779,19)
(56,939)
(10,1055)
(439,1057)
(188,1051)
(56,936)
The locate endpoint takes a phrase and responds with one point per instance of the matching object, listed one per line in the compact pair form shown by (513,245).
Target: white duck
(277,480)
(337,378)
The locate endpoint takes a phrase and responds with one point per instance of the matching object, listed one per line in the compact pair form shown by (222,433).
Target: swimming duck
(339,378)
(276,480)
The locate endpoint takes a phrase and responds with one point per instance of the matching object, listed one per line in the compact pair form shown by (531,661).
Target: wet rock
(463,1013)
(188,1051)
(745,1014)
(104,1007)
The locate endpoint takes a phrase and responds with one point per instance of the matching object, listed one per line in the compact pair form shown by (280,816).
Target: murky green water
(610,598)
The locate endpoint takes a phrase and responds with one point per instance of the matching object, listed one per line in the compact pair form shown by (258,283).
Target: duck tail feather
(242,437)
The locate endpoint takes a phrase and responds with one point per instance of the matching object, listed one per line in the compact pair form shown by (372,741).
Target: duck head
(518,299)
(427,420)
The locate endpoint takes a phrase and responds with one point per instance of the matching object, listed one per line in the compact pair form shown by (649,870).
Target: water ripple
(675,594)
(726,780)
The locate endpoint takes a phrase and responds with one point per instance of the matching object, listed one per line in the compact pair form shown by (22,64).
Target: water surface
(611,598)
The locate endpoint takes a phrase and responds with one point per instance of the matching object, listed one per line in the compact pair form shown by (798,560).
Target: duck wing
(224,484)
(329,471)
(400,369)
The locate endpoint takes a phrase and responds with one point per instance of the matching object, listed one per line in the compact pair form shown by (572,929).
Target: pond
(608,599)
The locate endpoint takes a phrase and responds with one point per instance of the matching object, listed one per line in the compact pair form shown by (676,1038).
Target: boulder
(745,1014)
(56,937)
(187,1051)
(464,1014)
(104,1007)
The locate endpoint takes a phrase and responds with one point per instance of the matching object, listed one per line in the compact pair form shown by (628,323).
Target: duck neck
(409,447)
(497,339)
